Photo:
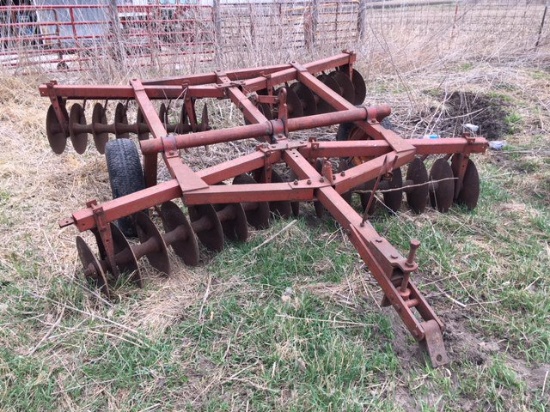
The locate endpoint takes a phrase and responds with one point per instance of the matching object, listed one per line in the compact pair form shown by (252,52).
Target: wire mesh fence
(51,35)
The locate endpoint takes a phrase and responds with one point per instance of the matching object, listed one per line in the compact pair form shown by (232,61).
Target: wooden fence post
(217,31)
(362,20)
(118,49)
(541,27)
(315,20)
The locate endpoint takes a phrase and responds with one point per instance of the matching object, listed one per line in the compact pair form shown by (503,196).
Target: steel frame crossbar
(385,152)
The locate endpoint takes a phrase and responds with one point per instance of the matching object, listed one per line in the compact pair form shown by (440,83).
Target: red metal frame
(384,152)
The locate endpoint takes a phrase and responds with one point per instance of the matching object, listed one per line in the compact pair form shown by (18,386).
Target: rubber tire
(125,176)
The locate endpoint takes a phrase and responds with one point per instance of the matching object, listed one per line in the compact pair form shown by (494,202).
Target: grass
(293,323)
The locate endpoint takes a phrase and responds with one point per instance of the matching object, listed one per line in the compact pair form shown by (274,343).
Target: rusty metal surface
(217,208)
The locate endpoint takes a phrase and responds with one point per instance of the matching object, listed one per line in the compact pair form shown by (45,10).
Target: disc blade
(307,98)
(99,122)
(235,227)
(322,105)
(469,193)
(121,120)
(359,86)
(294,104)
(56,137)
(394,197)
(417,197)
(143,128)
(77,120)
(257,213)
(127,262)
(441,175)
(184,243)
(211,232)
(205,122)
(281,208)
(347,91)
(92,268)
(148,232)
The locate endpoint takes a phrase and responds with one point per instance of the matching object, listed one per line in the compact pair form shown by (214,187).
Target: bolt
(308,181)
(295,182)
(394,256)
(378,240)
(321,180)
(342,174)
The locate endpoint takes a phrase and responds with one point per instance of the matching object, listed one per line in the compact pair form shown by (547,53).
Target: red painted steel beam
(372,148)
(260,192)
(232,168)
(272,127)
(257,78)
(236,75)
(126,205)
(152,196)
(127,92)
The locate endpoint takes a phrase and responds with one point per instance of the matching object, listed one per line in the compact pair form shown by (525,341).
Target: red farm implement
(275,101)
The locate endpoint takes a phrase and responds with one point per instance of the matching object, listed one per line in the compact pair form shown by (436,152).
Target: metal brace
(105,235)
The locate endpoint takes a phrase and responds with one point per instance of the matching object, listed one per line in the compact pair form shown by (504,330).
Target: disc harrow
(222,201)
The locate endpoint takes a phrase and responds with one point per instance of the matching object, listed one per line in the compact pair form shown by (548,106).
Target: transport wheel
(125,176)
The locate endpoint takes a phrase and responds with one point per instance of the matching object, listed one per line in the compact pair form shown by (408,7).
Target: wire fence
(49,37)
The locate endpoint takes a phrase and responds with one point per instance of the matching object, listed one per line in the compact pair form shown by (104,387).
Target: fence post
(116,31)
(315,20)
(541,27)
(217,31)
(362,19)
